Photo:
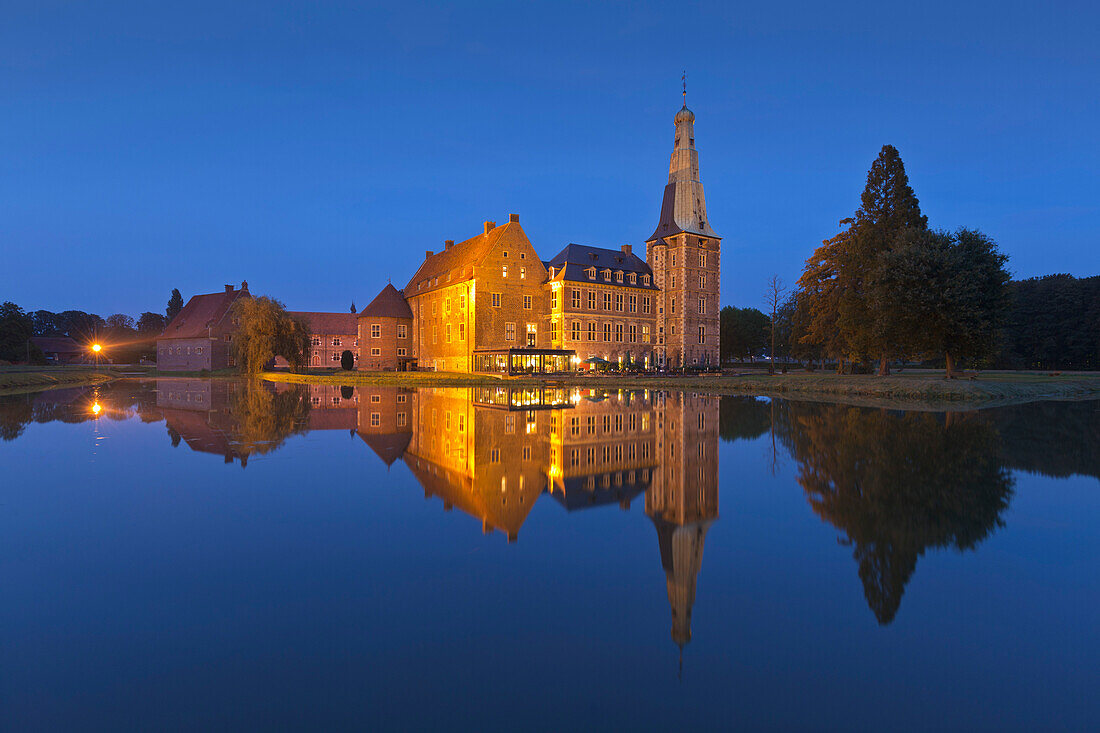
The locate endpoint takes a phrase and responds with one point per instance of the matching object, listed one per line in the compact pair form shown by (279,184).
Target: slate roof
(570,264)
(389,303)
(338,324)
(202,313)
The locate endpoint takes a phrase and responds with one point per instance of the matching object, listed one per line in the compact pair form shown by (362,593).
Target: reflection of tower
(683,498)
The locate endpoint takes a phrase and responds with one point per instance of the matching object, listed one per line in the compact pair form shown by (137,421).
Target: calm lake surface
(188,554)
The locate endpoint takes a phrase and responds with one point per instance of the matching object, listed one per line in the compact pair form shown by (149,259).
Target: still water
(187,554)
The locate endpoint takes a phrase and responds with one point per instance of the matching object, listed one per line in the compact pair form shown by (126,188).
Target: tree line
(889,288)
(130,339)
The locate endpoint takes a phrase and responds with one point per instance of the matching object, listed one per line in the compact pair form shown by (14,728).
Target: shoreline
(22,381)
(909,390)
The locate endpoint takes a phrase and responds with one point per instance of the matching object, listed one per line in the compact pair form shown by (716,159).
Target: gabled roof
(387,446)
(390,303)
(57,344)
(460,259)
(201,313)
(571,263)
(338,324)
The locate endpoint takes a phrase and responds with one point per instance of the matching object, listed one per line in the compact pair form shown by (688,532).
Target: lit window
(619,277)
(591,272)
(554,299)
(504,270)
(703,258)
(523,273)
(702,334)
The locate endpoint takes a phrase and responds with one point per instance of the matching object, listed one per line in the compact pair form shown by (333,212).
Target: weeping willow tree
(263,417)
(265,330)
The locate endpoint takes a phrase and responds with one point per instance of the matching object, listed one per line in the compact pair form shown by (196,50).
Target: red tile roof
(390,303)
(202,313)
(328,324)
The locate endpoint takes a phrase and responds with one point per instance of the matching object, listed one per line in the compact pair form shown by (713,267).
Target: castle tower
(684,253)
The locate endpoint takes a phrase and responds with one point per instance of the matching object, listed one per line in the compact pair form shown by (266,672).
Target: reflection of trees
(898,484)
(742,418)
(262,419)
(15,412)
(1056,439)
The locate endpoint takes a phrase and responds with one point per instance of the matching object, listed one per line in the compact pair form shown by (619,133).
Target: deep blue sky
(316,151)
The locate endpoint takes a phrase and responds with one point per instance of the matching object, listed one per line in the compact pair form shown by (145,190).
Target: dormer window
(619,276)
(633,279)
(551,273)
(645,280)
(607,275)
(591,272)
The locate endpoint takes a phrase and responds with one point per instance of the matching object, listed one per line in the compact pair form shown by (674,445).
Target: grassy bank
(18,380)
(909,388)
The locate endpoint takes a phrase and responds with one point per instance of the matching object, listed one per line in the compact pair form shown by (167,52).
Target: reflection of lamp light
(96,408)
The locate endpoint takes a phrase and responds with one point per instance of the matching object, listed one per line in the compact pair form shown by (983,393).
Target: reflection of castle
(491,452)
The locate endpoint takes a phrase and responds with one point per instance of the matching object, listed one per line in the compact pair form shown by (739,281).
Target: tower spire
(684,82)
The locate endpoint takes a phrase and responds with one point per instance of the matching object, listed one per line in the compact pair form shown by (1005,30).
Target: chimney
(229,288)
(448,243)
(244,285)
(490,226)
(428,253)
(513,218)
(626,249)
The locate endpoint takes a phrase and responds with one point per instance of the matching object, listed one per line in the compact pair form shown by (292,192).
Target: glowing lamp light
(96,348)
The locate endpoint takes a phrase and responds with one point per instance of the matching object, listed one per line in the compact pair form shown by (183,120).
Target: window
(633,279)
(673,304)
(646,307)
(575,331)
(198,350)
(591,272)
(575,297)
(532,333)
(554,299)
(551,273)
(504,270)
(447,333)
(633,302)
(315,341)
(434,304)
(401,399)
(633,333)
(607,332)
(376,330)
(619,332)
(592,331)
(462,332)
(702,280)
(590,424)
(402,351)
(402,331)
(619,276)
(446,306)
(527,302)
(496,300)
(607,301)
(336,357)
(645,334)
(618,301)
(645,279)
(553,330)
(433,333)
(674,259)
(375,419)
(509,332)
(523,273)
(702,258)
(505,254)
(401,419)
(462,302)
(574,426)
(376,352)
(592,300)
(702,305)
(702,334)
(607,275)
(674,281)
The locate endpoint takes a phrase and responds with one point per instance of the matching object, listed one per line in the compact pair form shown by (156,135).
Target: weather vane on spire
(684,81)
